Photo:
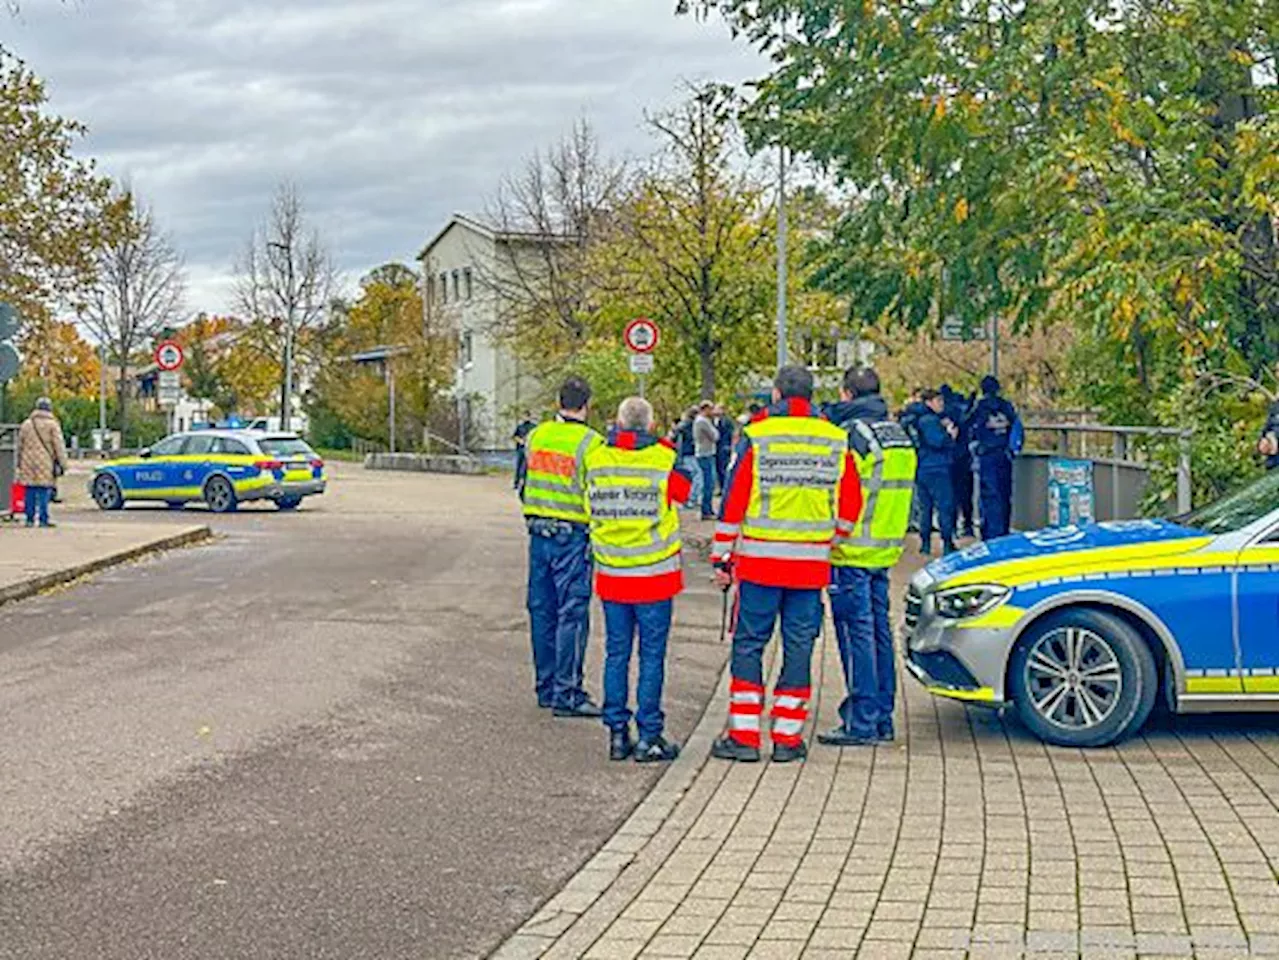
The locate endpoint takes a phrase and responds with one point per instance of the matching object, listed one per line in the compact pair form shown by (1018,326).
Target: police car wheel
(1082,678)
(219,495)
(106,492)
(288,503)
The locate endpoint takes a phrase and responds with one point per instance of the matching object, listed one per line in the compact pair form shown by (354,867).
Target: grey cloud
(389,114)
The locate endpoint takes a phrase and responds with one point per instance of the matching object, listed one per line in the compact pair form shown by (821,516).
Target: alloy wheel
(1073,677)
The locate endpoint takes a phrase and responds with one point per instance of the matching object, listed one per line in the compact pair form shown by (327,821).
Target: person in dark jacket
(956,409)
(935,445)
(724,445)
(993,426)
(1269,441)
(908,417)
(518,437)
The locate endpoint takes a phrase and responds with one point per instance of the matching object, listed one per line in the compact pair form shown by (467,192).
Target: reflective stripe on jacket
(887,470)
(553,485)
(792,481)
(631,484)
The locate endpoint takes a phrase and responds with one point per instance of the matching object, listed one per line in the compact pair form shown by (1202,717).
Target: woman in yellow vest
(632,488)
(559,592)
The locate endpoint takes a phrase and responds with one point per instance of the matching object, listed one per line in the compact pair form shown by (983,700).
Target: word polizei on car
(223,468)
(1080,628)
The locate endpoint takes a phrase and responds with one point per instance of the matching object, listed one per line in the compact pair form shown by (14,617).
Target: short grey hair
(44,403)
(635,413)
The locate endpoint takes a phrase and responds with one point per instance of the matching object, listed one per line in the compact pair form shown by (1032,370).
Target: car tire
(219,495)
(1082,678)
(106,492)
(289,503)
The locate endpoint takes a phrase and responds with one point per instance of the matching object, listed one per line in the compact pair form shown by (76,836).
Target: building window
(456,289)
(444,288)
(466,280)
(465,350)
(430,292)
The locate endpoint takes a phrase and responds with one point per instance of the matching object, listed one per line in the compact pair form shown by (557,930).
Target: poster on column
(1070,492)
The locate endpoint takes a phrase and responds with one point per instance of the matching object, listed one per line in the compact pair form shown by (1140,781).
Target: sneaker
(657,750)
(786,753)
(49,524)
(726,748)
(840,737)
(620,745)
(586,710)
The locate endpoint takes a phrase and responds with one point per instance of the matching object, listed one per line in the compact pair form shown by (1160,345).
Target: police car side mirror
(144,452)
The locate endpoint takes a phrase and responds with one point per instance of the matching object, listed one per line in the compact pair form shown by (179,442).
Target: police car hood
(1063,547)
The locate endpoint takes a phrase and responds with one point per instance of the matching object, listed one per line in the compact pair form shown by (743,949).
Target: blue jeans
(860,609)
(559,600)
(622,621)
(36,500)
(690,466)
(933,490)
(707,467)
(995,490)
(723,456)
(759,608)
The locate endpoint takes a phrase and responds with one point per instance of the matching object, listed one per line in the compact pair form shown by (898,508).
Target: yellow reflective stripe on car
(1229,684)
(1100,560)
(980,695)
(164,493)
(1000,618)
(1262,684)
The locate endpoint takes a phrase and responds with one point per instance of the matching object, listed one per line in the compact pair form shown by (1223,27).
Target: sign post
(169,357)
(640,337)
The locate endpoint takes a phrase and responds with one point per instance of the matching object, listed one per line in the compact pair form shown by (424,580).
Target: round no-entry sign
(168,355)
(641,335)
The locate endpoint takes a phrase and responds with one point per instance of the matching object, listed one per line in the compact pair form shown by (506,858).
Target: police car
(223,468)
(1081,628)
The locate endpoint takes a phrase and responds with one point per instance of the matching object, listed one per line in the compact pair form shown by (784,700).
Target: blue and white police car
(222,468)
(1081,628)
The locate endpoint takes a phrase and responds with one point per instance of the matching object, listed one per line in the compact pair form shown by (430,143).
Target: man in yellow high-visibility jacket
(559,592)
(862,556)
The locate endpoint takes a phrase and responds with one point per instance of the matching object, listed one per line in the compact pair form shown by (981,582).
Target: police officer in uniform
(633,487)
(792,484)
(995,429)
(555,511)
(862,557)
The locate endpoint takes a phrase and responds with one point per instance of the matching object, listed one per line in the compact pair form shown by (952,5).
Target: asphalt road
(314,737)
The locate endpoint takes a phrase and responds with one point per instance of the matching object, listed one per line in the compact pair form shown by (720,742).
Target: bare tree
(138,292)
(285,280)
(546,217)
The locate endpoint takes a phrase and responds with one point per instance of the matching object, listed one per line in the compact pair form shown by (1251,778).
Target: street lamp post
(782,254)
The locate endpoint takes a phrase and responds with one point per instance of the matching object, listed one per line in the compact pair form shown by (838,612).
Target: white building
(458,265)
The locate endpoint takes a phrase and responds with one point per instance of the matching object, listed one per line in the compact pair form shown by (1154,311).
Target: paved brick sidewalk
(966,839)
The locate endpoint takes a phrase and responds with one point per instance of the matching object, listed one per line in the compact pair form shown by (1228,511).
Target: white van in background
(272,424)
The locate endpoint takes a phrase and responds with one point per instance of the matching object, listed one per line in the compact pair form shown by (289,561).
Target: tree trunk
(707,370)
(122,402)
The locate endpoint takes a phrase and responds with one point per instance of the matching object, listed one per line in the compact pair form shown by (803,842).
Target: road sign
(641,363)
(641,335)
(168,355)
(169,388)
(953,329)
(10,361)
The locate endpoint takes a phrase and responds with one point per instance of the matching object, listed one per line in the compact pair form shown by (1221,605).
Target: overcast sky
(389,114)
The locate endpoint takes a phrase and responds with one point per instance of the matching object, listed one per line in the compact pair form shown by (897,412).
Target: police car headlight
(971,600)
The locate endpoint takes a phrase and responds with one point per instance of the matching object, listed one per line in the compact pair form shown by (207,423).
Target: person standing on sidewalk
(632,487)
(861,560)
(705,438)
(792,485)
(956,409)
(993,424)
(935,446)
(559,591)
(41,459)
(519,437)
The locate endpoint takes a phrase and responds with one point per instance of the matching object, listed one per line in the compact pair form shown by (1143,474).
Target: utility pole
(995,346)
(102,393)
(782,254)
(286,390)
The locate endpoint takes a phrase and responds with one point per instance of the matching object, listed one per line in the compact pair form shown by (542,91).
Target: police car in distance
(1081,628)
(223,468)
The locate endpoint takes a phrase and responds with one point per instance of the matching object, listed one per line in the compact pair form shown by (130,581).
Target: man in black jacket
(956,409)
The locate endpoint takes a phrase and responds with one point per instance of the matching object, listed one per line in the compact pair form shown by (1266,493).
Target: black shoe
(784,753)
(708,516)
(726,748)
(657,750)
(840,737)
(948,547)
(620,745)
(885,735)
(544,703)
(968,532)
(926,550)
(586,710)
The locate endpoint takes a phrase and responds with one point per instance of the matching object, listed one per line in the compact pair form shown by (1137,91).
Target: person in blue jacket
(935,445)
(956,409)
(996,435)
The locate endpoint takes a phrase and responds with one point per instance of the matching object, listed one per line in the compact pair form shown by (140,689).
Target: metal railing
(1121,450)
(430,437)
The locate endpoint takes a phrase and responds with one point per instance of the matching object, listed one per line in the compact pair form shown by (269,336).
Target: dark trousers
(522,467)
(36,504)
(723,455)
(860,609)
(759,608)
(933,489)
(995,492)
(707,465)
(962,487)
(622,622)
(558,600)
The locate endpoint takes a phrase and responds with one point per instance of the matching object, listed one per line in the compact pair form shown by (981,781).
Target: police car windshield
(284,446)
(1236,510)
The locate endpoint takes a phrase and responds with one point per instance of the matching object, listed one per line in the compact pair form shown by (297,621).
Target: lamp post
(782,251)
(286,391)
